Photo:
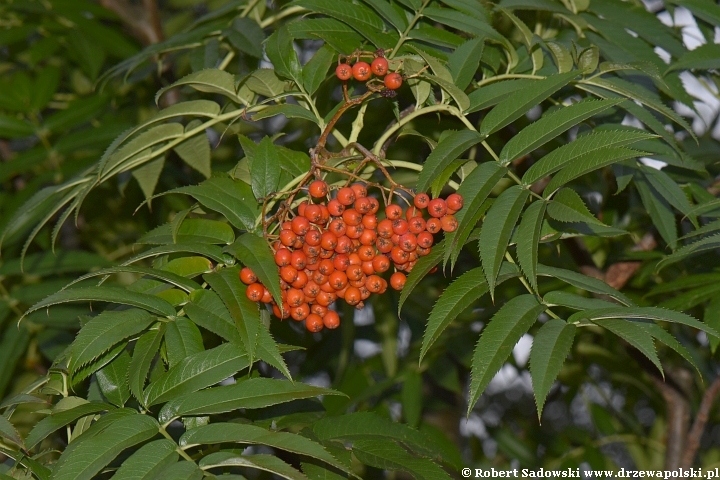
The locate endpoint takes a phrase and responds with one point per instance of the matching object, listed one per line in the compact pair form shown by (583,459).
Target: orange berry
(354,273)
(408,242)
(298,259)
(313,237)
(369,220)
(301,280)
(399,256)
(393,81)
(282,315)
(255,292)
(318,309)
(300,313)
(454,202)
(367,267)
(415,225)
(363,204)
(247,276)
(366,252)
(385,228)
(325,298)
(384,245)
(381,263)
(266,296)
(326,267)
(421,200)
(449,223)
(341,262)
(337,227)
(379,66)
(433,225)
(437,207)
(361,71)
(337,280)
(359,189)
(335,207)
(300,225)
(311,289)
(313,213)
(393,212)
(318,189)
(288,273)
(344,71)
(352,217)
(346,196)
(353,296)
(374,205)
(373,283)
(287,237)
(425,239)
(314,323)
(331,320)
(400,226)
(397,280)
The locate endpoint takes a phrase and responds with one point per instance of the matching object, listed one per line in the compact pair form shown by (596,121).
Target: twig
(696,432)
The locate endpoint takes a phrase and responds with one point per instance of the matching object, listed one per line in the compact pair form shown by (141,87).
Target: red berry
(344,71)
(379,66)
(393,81)
(255,292)
(421,200)
(318,189)
(437,207)
(454,202)
(314,323)
(361,72)
(331,319)
(247,276)
(397,280)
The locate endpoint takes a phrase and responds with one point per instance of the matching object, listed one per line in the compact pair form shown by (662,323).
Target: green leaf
(590,162)
(145,349)
(642,95)
(497,340)
(388,455)
(635,335)
(268,463)
(584,282)
(264,165)
(420,270)
(183,470)
(475,189)
(492,94)
(461,293)
(659,209)
(464,62)
(497,229)
(255,253)
(574,301)
(169,277)
(550,126)
(104,331)
(335,33)
(212,252)
(268,350)
(231,198)
(211,80)
(82,461)
(226,283)
(367,425)
(515,106)
(195,151)
(13,127)
(264,81)
(576,151)
(182,339)
(253,435)
(280,51)
(701,246)
(704,10)
(448,149)
(561,55)
(394,15)
(148,175)
(148,461)
(207,310)
(196,372)
(669,189)
(567,206)
(147,302)
(288,110)
(246,35)
(551,346)
(247,394)
(712,318)
(112,379)
(56,421)
(191,230)
(528,239)
(138,150)
(663,336)
(316,70)
(8,431)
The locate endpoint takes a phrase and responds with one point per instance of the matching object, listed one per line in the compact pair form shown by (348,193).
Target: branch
(696,433)
(143,20)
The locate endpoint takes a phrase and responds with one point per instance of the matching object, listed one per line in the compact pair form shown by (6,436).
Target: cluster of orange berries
(341,249)
(363,71)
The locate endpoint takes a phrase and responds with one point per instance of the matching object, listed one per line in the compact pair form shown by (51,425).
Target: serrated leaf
(550,126)
(367,425)
(475,189)
(420,270)
(148,461)
(248,394)
(268,463)
(411,398)
(584,282)
(254,435)
(281,53)
(551,346)
(461,99)
(635,335)
(567,206)
(268,350)
(212,252)
(589,162)
(191,230)
(255,253)
(195,151)
(211,80)
(561,55)
(288,110)
(669,189)
(528,235)
(659,209)
(246,35)
(497,229)
(647,313)
(574,301)
(316,70)
(169,277)
(56,421)
(207,310)
(232,198)
(183,470)
(104,331)
(388,455)
(112,379)
(88,458)
(393,14)
(148,175)
(264,165)
(663,336)
(9,432)
(464,62)
(492,94)
(264,81)
(196,372)
(182,339)
(701,246)
(582,146)
(244,312)
(513,107)
(147,302)
(448,149)
(454,300)
(498,339)
(145,349)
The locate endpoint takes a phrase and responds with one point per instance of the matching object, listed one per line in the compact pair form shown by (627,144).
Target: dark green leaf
(8,431)
(492,94)
(145,349)
(191,230)
(264,165)
(498,339)
(388,455)
(635,335)
(551,346)
(255,253)
(465,61)
(584,282)
(195,151)
(113,380)
(528,239)
(420,270)
(448,149)
(316,70)
(207,310)
(659,209)
(182,339)
(148,461)
(56,421)
(280,51)
(246,35)
(210,80)
(268,463)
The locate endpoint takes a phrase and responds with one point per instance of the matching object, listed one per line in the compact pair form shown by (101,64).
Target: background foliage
(550,117)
